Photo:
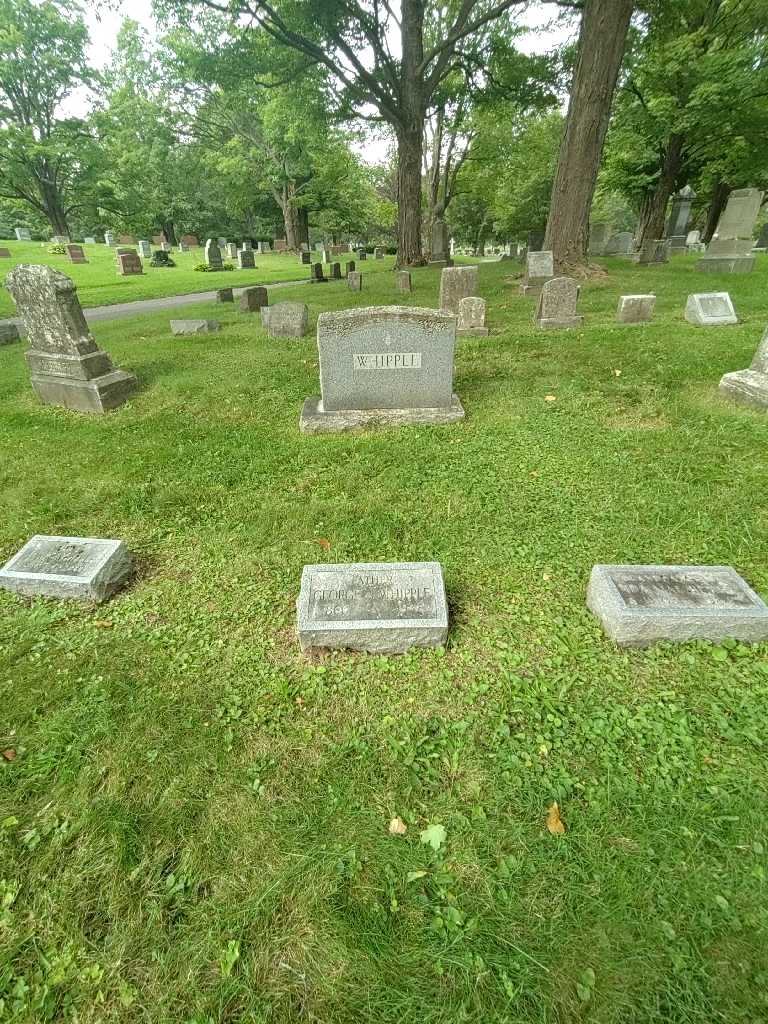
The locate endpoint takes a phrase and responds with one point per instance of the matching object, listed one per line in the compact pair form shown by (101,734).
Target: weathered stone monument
(620,244)
(246,260)
(403,281)
(761,245)
(145,249)
(280,245)
(378,253)
(109,239)
(599,234)
(89,240)
(383,364)
(456,283)
(305,258)
(642,604)
(76,253)
(83,568)
(68,368)
(181,327)
(730,251)
(5,254)
(680,214)
(557,304)
(8,334)
(335,271)
(213,255)
(472,317)
(355,281)
(376,607)
(285,319)
(23,234)
(535,240)
(225,295)
(652,251)
(712,309)
(349,267)
(750,387)
(231,250)
(253,299)
(440,251)
(539,268)
(316,275)
(635,309)
(129,263)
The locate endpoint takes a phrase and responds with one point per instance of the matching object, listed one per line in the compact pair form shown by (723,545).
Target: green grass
(98,283)
(195,826)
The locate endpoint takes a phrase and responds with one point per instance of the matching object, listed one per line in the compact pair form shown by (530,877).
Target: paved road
(120,310)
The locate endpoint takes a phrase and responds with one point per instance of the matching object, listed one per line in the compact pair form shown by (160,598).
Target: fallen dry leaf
(324,544)
(546,577)
(9,754)
(550,398)
(554,821)
(103,624)
(617,373)
(397,827)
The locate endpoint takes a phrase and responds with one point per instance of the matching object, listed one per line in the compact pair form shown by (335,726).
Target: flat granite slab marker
(642,604)
(378,607)
(85,568)
(750,387)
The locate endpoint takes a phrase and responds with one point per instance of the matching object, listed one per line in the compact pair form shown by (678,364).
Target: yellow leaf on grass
(324,544)
(554,821)
(550,398)
(397,827)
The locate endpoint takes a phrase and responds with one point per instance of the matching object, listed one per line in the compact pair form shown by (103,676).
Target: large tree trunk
(53,206)
(716,207)
(410,136)
(602,38)
(654,212)
(169,230)
(295,219)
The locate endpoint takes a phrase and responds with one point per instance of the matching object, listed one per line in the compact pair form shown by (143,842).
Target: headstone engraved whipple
(641,604)
(68,368)
(85,568)
(750,387)
(711,309)
(381,608)
(383,364)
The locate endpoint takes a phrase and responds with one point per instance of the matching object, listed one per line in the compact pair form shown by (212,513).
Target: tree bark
(169,230)
(716,207)
(602,39)
(53,207)
(654,212)
(410,136)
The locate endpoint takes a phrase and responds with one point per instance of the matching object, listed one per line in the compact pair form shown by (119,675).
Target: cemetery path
(120,310)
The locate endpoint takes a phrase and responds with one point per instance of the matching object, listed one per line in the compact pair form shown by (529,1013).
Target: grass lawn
(194,827)
(98,283)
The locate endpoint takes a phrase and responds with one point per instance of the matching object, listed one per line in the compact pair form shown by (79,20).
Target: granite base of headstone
(712,309)
(635,309)
(456,283)
(373,607)
(285,319)
(9,333)
(68,368)
(253,299)
(472,311)
(83,568)
(539,268)
(557,304)
(639,605)
(389,365)
(180,327)
(749,387)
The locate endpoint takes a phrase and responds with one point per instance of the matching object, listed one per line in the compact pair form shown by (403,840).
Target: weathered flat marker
(379,607)
(86,568)
(640,604)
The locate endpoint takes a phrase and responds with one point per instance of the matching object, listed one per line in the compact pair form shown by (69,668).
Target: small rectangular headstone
(109,239)
(316,274)
(253,299)
(213,255)
(305,258)
(8,334)
(225,295)
(456,283)
(472,317)
(129,263)
(145,249)
(280,245)
(355,281)
(231,250)
(287,320)
(376,607)
(23,234)
(90,240)
(362,255)
(335,271)
(403,281)
(641,604)
(350,266)
(539,268)
(246,259)
(5,254)
(76,254)
(378,253)
(179,327)
(557,304)
(85,568)
(710,309)
(635,309)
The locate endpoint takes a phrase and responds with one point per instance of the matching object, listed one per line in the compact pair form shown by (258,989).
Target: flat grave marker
(180,327)
(750,387)
(635,309)
(84,568)
(711,309)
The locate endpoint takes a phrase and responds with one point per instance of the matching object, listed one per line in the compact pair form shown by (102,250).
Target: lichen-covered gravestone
(253,299)
(384,364)
(641,604)
(472,317)
(246,260)
(180,327)
(635,309)
(539,268)
(68,368)
(355,281)
(225,295)
(456,283)
(285,319)
(213,255)
(377,607)
(557,304)
(85,568)
(750,387)
(712,309)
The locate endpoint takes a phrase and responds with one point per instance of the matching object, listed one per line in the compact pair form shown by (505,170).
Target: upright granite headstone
(384,364)
(712,309)
(305,258)
(730,251)
(316,275)
(84,568)
(539,268)
(693,238)
(456,283)
(76,253)
(557,304)
(68,368)
(350,266)
(677,225)
(642,604)
(145,249)
(231,250)
(109,239)
(535,240)
(472,318)
(60,239)
(225,295)
(403,281)
(90,240)
(253,299)
(246,260)
(213,255)
(5,254)
(761,245)
(335,271)
(8,334)
(378,253)
(620,244)
(599,234)
(355,281)
(377,607)
(23,234)
(285,319)
(750,387)
(247,245)
(280,245)
(129,263)
(362,255)
(635,309)
(440,253)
